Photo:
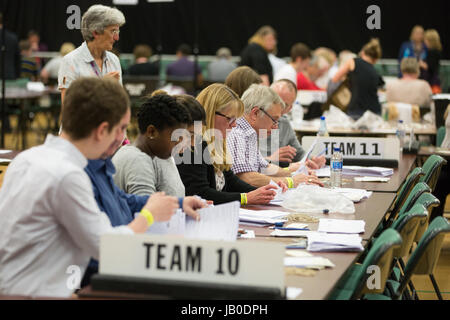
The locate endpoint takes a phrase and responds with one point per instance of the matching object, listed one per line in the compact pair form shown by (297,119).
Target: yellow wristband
(287,169)
(147,215)
(243,198)
(290,182)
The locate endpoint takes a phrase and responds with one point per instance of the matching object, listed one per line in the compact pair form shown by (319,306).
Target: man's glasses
(230,120)
(275,122)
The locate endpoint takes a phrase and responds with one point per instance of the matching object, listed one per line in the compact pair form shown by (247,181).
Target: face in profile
(166,141)
(117,135)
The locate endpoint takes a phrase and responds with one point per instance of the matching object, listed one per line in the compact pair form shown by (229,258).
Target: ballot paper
(303,169)
(298,253)
(371,179)
(357,171)
(341,226)
(292,292)
(265,217)
(280,195)
(291,233)
(355,195)
(220,222)
(308,262)
(319,241)
(5,151)
(249,234)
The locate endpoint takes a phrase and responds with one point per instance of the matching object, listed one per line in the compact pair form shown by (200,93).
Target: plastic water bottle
(297,114)
(323,132)
(336,163)
(401,133)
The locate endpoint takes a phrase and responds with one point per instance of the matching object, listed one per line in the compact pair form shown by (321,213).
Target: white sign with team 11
(355,147)
(242,263)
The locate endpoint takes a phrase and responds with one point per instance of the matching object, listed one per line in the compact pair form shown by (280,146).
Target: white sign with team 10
(355,147)
(245,263)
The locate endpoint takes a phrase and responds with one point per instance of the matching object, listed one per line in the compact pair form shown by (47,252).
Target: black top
(144,69)
(12,56)
(200,179)
(257,58)
(364,82)
(432,74)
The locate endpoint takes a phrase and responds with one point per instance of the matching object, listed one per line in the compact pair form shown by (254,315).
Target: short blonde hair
(410,66)
(216,98)
(258,37)
(66,48)
(432,36)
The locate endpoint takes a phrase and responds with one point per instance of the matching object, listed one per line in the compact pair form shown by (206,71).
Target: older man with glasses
(100,29)
(262,111)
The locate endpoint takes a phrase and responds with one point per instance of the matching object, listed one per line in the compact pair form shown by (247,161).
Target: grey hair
(258,95)
(97,18)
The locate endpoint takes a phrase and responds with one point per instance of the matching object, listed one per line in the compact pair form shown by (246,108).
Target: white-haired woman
(100,29)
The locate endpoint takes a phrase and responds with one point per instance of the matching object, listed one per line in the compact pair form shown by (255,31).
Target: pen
(322,152)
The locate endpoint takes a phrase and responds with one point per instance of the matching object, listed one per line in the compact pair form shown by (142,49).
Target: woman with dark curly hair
(147,166)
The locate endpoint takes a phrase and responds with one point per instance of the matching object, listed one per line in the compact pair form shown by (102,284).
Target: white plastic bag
(314,200)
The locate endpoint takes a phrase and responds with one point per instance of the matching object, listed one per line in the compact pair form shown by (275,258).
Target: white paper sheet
(308,262)
(319,241)
(341,226)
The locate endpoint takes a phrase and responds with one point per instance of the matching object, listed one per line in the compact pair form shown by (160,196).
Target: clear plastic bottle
(297,114)
(323,132)
(336,164)
(400,133)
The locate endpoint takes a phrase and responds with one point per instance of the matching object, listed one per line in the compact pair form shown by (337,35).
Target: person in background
(255,54)
(142,66)
(219,69)
(28,68)
(241,78)
(409,89)
(330,57)
(415,48)
(317,67)
(364,80)
(290,150)
(442,188)
(206,169)
(49,217)
(262,111)
(300,58)
(344,56)
(147,166)
(277,63)
(183,67)
(12,56)
(100,27)
(51,69)
(37,46)
(431,65)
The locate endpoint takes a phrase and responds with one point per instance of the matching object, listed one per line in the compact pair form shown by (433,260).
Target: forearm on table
(257,179)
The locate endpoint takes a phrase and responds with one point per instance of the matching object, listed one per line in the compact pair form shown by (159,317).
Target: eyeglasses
(230,120)
(115,32)
(275,122)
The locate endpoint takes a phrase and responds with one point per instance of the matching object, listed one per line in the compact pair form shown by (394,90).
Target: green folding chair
(429,202)
(432,169)
(440,135)
(353,285)
(405,190)
(424,259)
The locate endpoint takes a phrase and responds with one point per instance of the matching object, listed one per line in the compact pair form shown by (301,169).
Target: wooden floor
(422,284)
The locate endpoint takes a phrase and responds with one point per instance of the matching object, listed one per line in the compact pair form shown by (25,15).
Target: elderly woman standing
(100,29)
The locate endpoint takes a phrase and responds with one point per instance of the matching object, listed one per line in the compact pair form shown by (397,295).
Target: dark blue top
(407,51)
(183,67)
(118,205)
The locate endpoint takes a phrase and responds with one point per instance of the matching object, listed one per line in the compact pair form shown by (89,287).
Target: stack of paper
(5,161)
(291,233)
(318,241)
(341,226)
(355,195)
(308,262)
(264,217)
(358,171)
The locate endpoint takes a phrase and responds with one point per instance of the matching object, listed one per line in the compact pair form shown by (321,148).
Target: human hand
(161,206)
(308,179)
(261,195)
(113,75)
(192,204)
(283,154)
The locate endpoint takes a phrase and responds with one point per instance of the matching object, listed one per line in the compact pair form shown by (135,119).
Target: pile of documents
(341,226)
(355,195)
(358,171)
(261,217)
(320,241)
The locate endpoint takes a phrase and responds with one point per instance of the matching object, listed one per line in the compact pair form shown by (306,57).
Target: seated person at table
(241,78)
(364,80)
(49,217)
(290,148)
(147,166)
(300,58)
(317,67)
(142,66)
(220,68)
(206,170)
(409,89)
(183,67)
(262,109)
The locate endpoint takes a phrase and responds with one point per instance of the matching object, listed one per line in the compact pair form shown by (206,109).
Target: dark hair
(241,78)
(185,49)
(300,50)
(24,45)
(373,49)
(142,51)
(162,111)
(89,102)
(194,107)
